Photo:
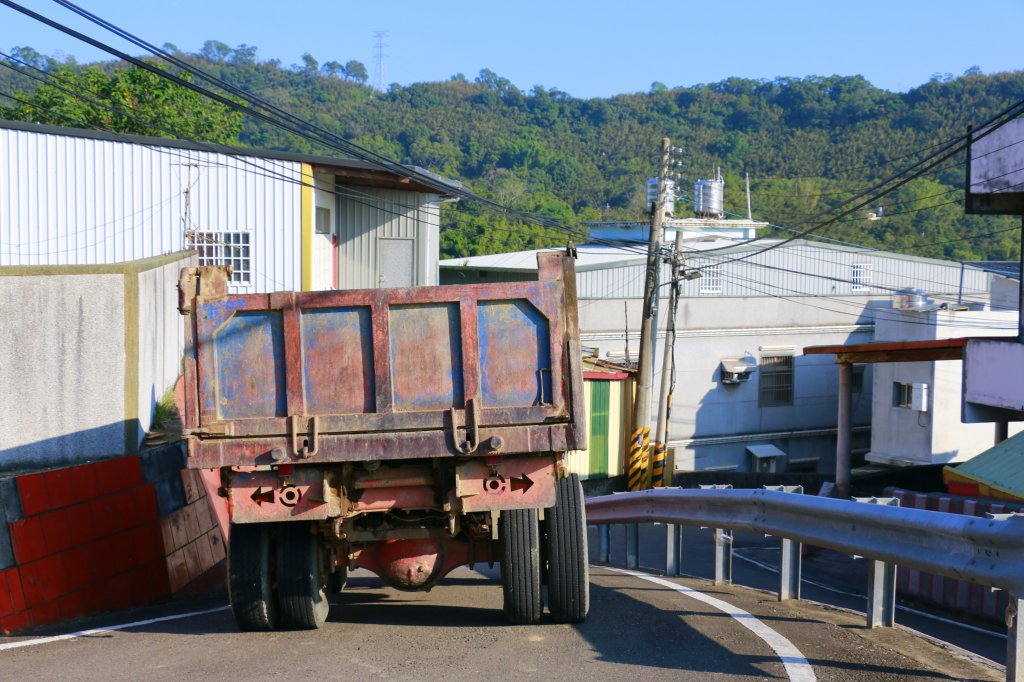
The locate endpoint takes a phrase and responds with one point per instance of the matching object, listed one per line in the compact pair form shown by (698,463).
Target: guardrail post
(723,545)
(790,560)
(632,546)
(673,549)
(604,544)
(881,580)
(1015,642)
(723,557)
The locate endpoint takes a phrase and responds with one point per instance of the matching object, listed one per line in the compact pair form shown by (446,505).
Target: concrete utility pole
(667,368)
(640,439)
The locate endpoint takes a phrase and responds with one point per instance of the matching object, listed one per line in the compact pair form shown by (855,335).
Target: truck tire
(301,584)
(338,580)
(568,566)
(520,566)
(249,577)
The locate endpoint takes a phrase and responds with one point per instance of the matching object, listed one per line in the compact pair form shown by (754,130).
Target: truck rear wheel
(249,577)
(520,566)
(301,578)
(568,567)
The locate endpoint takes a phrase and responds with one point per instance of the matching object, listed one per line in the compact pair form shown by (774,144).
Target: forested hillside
(806,143)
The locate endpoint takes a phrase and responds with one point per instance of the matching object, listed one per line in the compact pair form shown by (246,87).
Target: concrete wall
(87,352)
(62,368)
(161,333)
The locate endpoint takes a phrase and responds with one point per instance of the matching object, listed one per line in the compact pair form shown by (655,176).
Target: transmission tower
(379,37)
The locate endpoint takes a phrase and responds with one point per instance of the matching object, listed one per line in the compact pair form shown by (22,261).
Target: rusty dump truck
(404,431)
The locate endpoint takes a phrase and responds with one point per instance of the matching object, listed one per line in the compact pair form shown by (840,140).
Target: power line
(261,171)
(267,112)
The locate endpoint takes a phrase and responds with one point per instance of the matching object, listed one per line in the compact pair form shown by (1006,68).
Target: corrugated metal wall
(77,200)
(615,424)
(367,217)
(799,269)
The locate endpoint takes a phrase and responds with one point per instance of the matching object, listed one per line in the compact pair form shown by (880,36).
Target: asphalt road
(828,578)
(637,629)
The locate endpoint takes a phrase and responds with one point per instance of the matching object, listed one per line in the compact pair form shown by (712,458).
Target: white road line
(112,628)
(797,667)
(899,607)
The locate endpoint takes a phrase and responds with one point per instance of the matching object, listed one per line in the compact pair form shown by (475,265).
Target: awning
(765,451)
(737,366)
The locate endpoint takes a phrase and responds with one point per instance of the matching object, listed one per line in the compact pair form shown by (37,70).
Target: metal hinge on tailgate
(471,427)
(311,446)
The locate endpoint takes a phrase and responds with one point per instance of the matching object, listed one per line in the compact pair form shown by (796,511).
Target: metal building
(283,221)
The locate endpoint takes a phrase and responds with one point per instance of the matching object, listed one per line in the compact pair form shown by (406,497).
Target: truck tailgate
(382,373)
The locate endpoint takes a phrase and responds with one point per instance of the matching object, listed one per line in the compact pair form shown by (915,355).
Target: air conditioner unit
(735,371)
(919,397)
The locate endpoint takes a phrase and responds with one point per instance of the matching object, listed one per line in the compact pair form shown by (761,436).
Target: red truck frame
(405,431)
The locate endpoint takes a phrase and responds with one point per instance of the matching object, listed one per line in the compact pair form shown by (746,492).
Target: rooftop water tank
(670,195)
(709,198)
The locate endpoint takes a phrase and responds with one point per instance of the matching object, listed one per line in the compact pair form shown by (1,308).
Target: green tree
(355,71)
(127,101)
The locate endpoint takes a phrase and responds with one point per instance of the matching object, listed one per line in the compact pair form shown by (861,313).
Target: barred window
(711,279)
(902,394)
(226,248)
(860,276)
(775,381)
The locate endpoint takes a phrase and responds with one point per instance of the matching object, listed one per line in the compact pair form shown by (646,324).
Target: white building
(742,381)
(916,413)
(283,221)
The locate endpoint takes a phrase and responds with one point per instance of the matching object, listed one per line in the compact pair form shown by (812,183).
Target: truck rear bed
(381,374)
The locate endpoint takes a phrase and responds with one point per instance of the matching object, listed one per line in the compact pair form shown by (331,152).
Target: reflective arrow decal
(523,483)
(260,497)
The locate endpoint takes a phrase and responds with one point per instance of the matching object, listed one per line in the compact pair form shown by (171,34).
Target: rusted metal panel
(483,484)
(426,356)
(337,360)
(259,496)
(383,445)
(383,374)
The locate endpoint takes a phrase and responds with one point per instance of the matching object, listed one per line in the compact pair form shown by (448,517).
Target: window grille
(860,276)
(775,380)
(711,280)
(226,248)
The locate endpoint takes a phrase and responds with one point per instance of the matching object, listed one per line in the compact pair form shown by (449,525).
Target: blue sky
(593,49)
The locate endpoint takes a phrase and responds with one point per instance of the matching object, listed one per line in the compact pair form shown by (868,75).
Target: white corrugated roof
(590,256)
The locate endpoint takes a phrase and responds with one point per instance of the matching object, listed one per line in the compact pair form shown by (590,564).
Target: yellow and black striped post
(658,468)
(639,455)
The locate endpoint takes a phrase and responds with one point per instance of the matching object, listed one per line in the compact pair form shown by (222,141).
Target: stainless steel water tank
(709,198)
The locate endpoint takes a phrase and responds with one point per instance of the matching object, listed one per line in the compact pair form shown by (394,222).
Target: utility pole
(640,439)
(667,367)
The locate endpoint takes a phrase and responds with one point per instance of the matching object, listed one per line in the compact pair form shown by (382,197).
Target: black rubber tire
(520,566)
(250,577)
(338,580)
(568,566)
(301,579)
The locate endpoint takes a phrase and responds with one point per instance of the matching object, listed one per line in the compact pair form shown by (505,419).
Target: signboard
(993,390)
(995,170)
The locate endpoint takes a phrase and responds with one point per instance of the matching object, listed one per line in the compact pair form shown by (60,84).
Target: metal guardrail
(985,551)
